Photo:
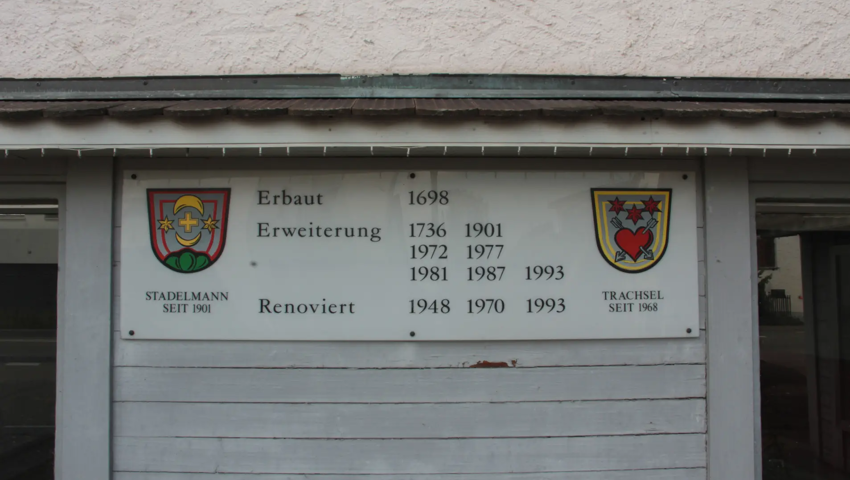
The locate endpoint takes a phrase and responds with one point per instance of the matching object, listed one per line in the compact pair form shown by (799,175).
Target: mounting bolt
(685,176)
(133,176)
(689,330)
(132,332)
(145,82)
(412,175)
(412,334)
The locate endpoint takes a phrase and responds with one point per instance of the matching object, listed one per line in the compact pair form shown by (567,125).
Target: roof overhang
(423,116)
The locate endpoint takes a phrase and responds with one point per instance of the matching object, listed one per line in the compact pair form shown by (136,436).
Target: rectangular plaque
(403,255)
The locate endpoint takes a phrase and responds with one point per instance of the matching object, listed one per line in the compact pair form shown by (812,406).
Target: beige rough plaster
(749,38)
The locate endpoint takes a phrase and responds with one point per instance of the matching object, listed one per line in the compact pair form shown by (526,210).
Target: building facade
(122,168)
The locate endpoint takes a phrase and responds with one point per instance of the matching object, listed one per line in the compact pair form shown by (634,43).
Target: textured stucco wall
(790,38)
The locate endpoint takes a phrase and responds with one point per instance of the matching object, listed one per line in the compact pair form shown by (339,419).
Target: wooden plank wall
(565,410)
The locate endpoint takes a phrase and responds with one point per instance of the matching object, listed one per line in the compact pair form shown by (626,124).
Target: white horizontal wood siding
(652,474)
(143,384)
(389,456)
(408,420)
(406,355)
(565,410)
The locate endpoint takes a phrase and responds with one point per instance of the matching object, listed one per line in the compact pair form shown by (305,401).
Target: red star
(651,206)
(635,214)
(617,206)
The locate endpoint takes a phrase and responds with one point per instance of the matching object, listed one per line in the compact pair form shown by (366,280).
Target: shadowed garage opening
(804,336)
(29,238)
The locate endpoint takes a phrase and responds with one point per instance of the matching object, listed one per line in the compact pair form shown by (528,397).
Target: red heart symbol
(631,242)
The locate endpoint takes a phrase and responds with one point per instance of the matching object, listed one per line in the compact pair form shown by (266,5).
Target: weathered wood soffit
(418,107)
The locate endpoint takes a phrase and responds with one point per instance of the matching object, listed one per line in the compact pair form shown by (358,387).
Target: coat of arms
(188,226)
(632,226)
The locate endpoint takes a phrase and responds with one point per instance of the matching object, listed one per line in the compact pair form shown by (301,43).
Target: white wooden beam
(84,391)
(732,373)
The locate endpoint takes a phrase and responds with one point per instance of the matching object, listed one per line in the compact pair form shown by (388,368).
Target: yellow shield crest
(632,226)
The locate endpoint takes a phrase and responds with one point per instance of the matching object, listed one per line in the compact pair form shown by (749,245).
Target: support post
(84,390)
(733,421)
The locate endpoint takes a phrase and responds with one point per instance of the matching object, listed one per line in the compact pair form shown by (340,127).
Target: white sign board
(426,255)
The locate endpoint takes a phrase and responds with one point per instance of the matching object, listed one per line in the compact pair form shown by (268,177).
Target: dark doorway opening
(804,339)
(29,238)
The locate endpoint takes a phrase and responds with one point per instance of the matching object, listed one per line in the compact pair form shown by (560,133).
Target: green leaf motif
(201,263)
(187,261)
(172,263)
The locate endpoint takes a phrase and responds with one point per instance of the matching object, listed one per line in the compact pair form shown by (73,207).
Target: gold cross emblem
(187,222)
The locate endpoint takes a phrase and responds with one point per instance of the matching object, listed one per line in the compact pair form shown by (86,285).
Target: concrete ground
(785,423)
(27,405)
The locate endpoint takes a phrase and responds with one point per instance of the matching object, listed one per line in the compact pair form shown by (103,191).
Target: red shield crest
(188,226)
(632,226)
